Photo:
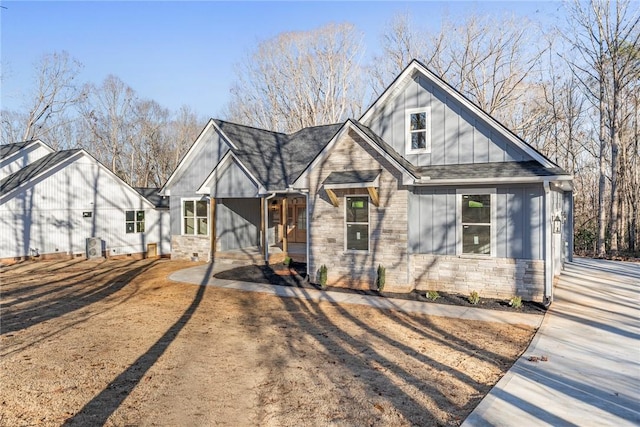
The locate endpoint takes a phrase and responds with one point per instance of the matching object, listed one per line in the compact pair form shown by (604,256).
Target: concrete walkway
(591,338)
(202,275)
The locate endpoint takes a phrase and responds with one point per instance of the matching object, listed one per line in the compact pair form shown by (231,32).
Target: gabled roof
(416,67)
(7,150)
(40,167)
(152,194)
(34,169)
(406,168)
(275,159)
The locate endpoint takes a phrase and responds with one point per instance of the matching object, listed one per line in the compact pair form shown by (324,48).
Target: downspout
(548,256)
(266,226)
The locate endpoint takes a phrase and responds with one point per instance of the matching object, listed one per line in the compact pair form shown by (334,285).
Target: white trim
(357,251)
(416,67)
(187,157)
(221,167)
(492,225)
(427,130)
(301,183)
(195,216)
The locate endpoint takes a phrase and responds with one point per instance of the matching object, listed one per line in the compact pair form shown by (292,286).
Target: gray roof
(277,159)
(8,149)
(489,170)
(387,148)
(32,170)
(352,177)
(153,196)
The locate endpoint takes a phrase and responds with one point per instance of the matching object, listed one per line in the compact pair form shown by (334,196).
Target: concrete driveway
(591,340)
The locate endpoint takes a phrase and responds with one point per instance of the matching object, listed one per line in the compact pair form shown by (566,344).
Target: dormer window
(419,130)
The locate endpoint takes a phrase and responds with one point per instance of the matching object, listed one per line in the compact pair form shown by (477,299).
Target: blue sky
(185,52)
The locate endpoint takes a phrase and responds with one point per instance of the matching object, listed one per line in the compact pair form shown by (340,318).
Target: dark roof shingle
(489,170)
(153,196)
(32,170)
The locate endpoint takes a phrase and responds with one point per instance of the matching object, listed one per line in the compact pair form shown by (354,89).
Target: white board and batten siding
(56,214)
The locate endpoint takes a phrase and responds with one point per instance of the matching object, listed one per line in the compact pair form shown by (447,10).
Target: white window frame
(182,217)
(476,191)
(368,223)
(427,130)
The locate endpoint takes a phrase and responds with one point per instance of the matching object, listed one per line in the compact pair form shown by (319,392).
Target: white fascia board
(427,182)
(416,67)
(187,157)
(229,156)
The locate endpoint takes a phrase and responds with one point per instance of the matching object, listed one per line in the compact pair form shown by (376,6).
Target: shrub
(432,295)
(474,297)
(380,279)
(322,276)
(287,261)
(515,302)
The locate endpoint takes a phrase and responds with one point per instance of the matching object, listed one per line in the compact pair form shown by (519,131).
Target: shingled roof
(7,150)
(276,159)
(527,169)
(32,170)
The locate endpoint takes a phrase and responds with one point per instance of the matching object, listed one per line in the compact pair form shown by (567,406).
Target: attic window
(419,130)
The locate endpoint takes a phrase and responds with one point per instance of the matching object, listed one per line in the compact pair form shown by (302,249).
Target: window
(418,131)
(476,224)
(357,223)
(134,221)
(194,216)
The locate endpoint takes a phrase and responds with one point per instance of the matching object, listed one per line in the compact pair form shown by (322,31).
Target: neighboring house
(66,203)
(425,184)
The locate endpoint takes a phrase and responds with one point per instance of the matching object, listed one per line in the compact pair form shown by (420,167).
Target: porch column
(264,215)
(212,227)
(285,227)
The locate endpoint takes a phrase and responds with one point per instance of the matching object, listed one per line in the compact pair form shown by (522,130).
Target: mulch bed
(295,275)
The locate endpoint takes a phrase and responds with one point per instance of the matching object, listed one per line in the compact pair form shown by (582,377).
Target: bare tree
(56,88)
(300,79)
(603,34)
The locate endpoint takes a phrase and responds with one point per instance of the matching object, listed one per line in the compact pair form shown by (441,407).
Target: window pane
(418,121)
(476,239)
(357,209)
(418,140)
(476,208)
(140,227)
(129,215)
(140,216)
(129,227)
(188,226)
(358,237)
(201,208)
(188,208)
(202,226)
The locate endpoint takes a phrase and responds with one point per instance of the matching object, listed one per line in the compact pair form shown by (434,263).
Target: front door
(297,223)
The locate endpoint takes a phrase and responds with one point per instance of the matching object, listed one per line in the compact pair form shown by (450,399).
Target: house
(425,184)
(67,204)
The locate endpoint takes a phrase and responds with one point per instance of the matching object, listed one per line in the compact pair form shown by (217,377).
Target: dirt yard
(117,343)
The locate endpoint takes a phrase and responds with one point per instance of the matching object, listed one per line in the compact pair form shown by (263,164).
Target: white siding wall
(49,214)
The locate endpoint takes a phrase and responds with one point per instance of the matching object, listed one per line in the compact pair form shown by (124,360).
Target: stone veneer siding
(184,247)
(387,223)
(490,277)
